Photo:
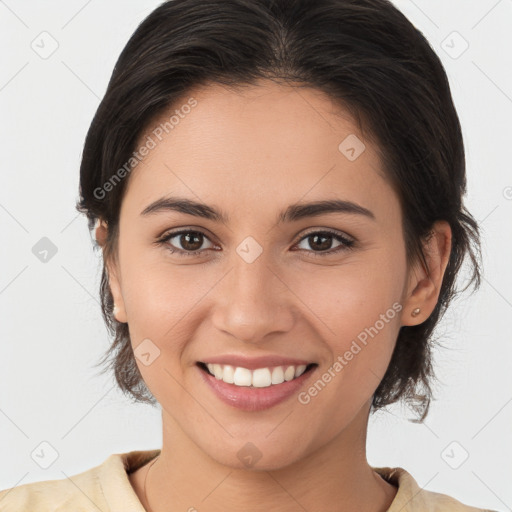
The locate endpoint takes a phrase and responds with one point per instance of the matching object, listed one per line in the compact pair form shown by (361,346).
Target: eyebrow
(292,213)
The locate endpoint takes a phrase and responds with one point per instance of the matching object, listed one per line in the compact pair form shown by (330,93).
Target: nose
(253,302)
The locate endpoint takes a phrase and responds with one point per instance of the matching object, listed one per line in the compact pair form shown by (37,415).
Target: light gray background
(51,330)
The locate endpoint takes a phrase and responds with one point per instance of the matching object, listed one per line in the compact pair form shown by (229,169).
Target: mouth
(264,377)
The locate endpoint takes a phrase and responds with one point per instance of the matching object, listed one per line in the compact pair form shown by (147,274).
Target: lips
(254,383)
(246,395)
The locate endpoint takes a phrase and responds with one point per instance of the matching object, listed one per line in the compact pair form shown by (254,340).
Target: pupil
(325,245)
(186,241)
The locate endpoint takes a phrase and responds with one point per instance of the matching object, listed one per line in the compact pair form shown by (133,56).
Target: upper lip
(251,363)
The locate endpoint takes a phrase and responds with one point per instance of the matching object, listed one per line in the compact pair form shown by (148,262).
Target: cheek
(162,299)
(346,299)
(357,316)
(162,304)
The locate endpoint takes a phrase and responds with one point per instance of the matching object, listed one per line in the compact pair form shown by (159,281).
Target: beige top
(106,488)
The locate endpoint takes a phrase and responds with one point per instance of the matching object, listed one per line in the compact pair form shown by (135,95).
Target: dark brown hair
(365,55)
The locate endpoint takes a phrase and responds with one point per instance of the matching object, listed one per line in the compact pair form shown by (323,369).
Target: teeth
(228,374)
(242,377)
(259,378)
(289,373)
(277,375)
(300,370)
(217,371)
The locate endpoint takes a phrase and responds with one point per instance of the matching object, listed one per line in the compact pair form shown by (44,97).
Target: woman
(277,189)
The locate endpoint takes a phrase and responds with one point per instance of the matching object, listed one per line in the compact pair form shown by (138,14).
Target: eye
(190,241)
(321,241)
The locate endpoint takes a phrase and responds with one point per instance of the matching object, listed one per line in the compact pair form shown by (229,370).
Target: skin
(251,153)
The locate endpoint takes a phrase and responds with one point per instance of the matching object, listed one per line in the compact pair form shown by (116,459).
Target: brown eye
(321,241)
(191,241)
(185,242)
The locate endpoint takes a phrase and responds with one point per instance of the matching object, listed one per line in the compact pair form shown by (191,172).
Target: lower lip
(248,398)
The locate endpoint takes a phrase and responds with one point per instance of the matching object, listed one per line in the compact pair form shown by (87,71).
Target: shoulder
(82,492)
(411,497)
(103,487)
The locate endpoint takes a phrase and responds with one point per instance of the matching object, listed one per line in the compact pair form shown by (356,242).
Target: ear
(100,233)
(423,289)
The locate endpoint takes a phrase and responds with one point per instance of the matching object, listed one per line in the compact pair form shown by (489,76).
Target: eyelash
(347,244)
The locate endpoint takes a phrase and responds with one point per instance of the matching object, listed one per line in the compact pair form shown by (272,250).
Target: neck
(333,477)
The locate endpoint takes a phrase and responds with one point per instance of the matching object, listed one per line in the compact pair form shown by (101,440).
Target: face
(322,288)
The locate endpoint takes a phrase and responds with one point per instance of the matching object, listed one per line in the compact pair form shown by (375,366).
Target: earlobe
(424,287)
(100,232)
(118,312)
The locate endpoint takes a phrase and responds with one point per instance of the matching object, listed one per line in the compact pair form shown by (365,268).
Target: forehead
(258,148)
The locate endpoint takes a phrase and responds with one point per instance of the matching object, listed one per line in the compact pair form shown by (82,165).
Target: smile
(258,377)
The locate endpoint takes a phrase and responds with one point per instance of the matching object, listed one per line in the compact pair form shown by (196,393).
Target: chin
(255,456)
